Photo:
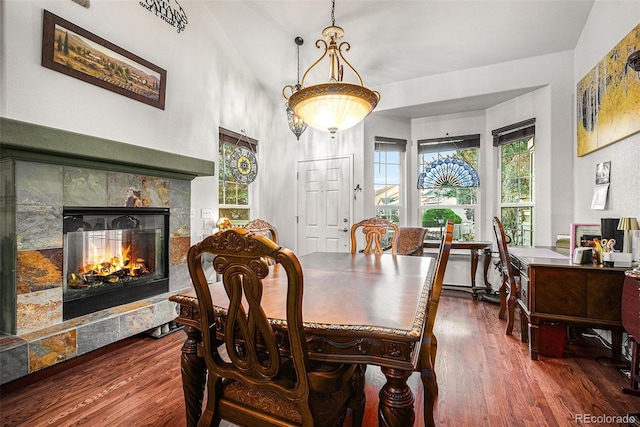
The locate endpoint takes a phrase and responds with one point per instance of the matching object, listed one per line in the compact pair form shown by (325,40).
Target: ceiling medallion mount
(335,105)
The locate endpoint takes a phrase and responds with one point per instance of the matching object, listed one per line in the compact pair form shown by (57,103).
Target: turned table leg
(487,263)
(194,375)
(474,268)
(396,400)
(616,343)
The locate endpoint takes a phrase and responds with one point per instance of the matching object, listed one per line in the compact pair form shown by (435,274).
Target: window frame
(517,132)
(385,145)
(443,144)
(231,138)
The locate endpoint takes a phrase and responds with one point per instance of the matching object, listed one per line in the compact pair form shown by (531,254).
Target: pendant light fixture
(334,105)
(296,124)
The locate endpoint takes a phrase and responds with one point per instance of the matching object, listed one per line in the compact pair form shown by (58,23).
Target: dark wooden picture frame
(76,52)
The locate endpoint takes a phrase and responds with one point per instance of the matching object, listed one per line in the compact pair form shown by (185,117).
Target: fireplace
(113,256)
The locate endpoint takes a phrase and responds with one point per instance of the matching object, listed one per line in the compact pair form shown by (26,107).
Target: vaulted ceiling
(399,40)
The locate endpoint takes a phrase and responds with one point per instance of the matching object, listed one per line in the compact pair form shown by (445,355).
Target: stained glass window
(444,165)
(233,194)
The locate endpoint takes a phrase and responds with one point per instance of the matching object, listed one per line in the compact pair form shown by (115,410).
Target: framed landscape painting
(78,53)
(608,97)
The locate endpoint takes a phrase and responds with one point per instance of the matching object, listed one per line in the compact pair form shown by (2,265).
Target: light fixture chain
(333,13)
(298,59)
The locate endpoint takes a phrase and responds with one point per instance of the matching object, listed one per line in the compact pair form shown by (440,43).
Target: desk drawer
(584,293)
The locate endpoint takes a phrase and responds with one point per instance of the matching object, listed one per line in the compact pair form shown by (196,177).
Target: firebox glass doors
(113,257)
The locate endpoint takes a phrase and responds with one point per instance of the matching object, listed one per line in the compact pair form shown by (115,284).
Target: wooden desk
(357,308)
(553,289)
(476,249)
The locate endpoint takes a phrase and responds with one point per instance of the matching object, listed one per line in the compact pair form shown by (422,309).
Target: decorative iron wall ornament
(174,16)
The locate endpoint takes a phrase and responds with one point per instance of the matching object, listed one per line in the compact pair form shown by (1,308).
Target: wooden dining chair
(410,241)
(373,230)
(429,344)
(259,373)
(510,286)
(263,228)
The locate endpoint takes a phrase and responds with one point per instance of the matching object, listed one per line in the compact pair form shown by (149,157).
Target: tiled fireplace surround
(42,170)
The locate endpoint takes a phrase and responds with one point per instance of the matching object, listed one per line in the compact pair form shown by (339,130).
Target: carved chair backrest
(373,230)
(508,272)
(263,228)
(250,341)
(438,277)
(411,241)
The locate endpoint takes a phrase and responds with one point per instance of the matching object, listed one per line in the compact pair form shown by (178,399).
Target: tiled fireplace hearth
(45,171)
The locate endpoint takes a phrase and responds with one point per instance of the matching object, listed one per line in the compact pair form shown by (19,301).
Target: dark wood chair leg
(634,386)
(503,300)
(511,308)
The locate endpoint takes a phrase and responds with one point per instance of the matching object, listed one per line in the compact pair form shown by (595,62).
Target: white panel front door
(324,205)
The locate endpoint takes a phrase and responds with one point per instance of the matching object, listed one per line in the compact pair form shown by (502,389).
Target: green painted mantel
(31,142)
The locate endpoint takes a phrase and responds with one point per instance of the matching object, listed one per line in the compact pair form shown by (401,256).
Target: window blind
(514,132)
(233,138)
(448,143)
(390,144)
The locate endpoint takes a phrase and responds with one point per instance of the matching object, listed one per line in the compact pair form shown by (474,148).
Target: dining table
(357,308)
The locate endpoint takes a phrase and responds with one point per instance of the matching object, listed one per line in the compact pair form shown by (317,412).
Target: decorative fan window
(448,168)
(448,184)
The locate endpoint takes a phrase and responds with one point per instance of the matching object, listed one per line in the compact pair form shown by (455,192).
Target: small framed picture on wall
(603,172)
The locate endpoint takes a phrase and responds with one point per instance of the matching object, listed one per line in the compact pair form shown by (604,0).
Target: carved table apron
(357,308)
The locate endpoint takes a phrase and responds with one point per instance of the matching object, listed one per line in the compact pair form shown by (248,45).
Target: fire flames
(101,268)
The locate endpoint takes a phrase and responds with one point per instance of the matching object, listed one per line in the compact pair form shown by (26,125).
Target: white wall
(207,85)
(608,23)
(549,80)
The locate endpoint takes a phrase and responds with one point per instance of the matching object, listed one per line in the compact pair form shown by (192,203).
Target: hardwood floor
(485,379)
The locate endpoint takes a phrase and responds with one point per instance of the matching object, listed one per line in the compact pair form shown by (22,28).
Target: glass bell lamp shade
(333,106)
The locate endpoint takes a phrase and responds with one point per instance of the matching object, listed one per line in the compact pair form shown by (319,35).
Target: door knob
(345,230)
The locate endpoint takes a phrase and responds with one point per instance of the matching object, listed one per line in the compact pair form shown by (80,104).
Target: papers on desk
(535,252)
